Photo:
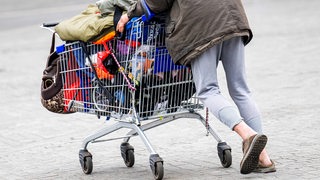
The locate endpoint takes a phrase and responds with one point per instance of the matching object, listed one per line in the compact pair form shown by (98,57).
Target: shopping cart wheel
(85,158)
(224,152)
(156,164)
(127,153)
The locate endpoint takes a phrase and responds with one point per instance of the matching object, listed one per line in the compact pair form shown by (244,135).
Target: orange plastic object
(103,74)
(147,65)
(106,38)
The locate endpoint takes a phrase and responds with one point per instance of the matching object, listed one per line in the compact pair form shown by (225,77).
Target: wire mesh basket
(135,76)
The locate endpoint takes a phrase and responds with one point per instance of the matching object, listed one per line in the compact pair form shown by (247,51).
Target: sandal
(252,148)
(265,169)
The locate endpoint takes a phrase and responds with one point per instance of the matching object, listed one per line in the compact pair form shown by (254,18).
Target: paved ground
(283,71)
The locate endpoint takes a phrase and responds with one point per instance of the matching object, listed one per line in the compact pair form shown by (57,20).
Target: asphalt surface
(283,72)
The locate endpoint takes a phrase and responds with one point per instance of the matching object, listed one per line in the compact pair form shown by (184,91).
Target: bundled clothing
(93,23)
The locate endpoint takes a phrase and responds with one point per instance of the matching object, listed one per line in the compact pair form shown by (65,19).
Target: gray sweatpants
(204,69)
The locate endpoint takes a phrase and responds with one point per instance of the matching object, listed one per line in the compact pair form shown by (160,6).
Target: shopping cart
(134,82)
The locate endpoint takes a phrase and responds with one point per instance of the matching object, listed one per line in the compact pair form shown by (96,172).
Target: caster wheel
(127,153)
(86,161)
(226,160)
(88,166)
(224,152)
(158,171)
(129,160)
(156,165)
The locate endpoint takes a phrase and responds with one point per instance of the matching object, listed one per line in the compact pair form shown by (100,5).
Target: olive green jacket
(193,26)
(107,6)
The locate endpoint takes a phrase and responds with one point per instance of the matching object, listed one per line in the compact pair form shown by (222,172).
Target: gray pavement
(283,71)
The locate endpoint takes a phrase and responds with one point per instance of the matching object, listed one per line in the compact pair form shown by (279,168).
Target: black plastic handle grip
(49,24)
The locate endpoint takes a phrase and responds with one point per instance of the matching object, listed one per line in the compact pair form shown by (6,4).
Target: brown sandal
(265,169)
(252,148)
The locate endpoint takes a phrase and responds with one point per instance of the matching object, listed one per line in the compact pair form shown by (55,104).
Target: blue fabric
(163,62)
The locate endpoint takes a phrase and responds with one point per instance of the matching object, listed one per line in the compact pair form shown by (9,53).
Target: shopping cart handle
(49,24)
(149,15)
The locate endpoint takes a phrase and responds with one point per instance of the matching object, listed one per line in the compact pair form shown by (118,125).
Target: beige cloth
(87,26)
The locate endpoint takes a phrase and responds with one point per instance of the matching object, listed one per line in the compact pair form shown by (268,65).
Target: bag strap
(53,55)
(53,43)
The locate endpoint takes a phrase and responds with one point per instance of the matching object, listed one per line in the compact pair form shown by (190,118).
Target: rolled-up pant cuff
(230,116)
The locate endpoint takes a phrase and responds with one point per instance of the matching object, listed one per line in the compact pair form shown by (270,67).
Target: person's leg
(205,78)
(204,70)
(234,66)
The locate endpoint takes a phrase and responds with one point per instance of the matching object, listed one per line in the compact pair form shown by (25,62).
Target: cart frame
(127,115)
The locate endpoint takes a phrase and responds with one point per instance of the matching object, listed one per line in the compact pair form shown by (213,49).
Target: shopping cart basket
(134,82)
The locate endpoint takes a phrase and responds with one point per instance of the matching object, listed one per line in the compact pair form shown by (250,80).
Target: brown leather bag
(52,97)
